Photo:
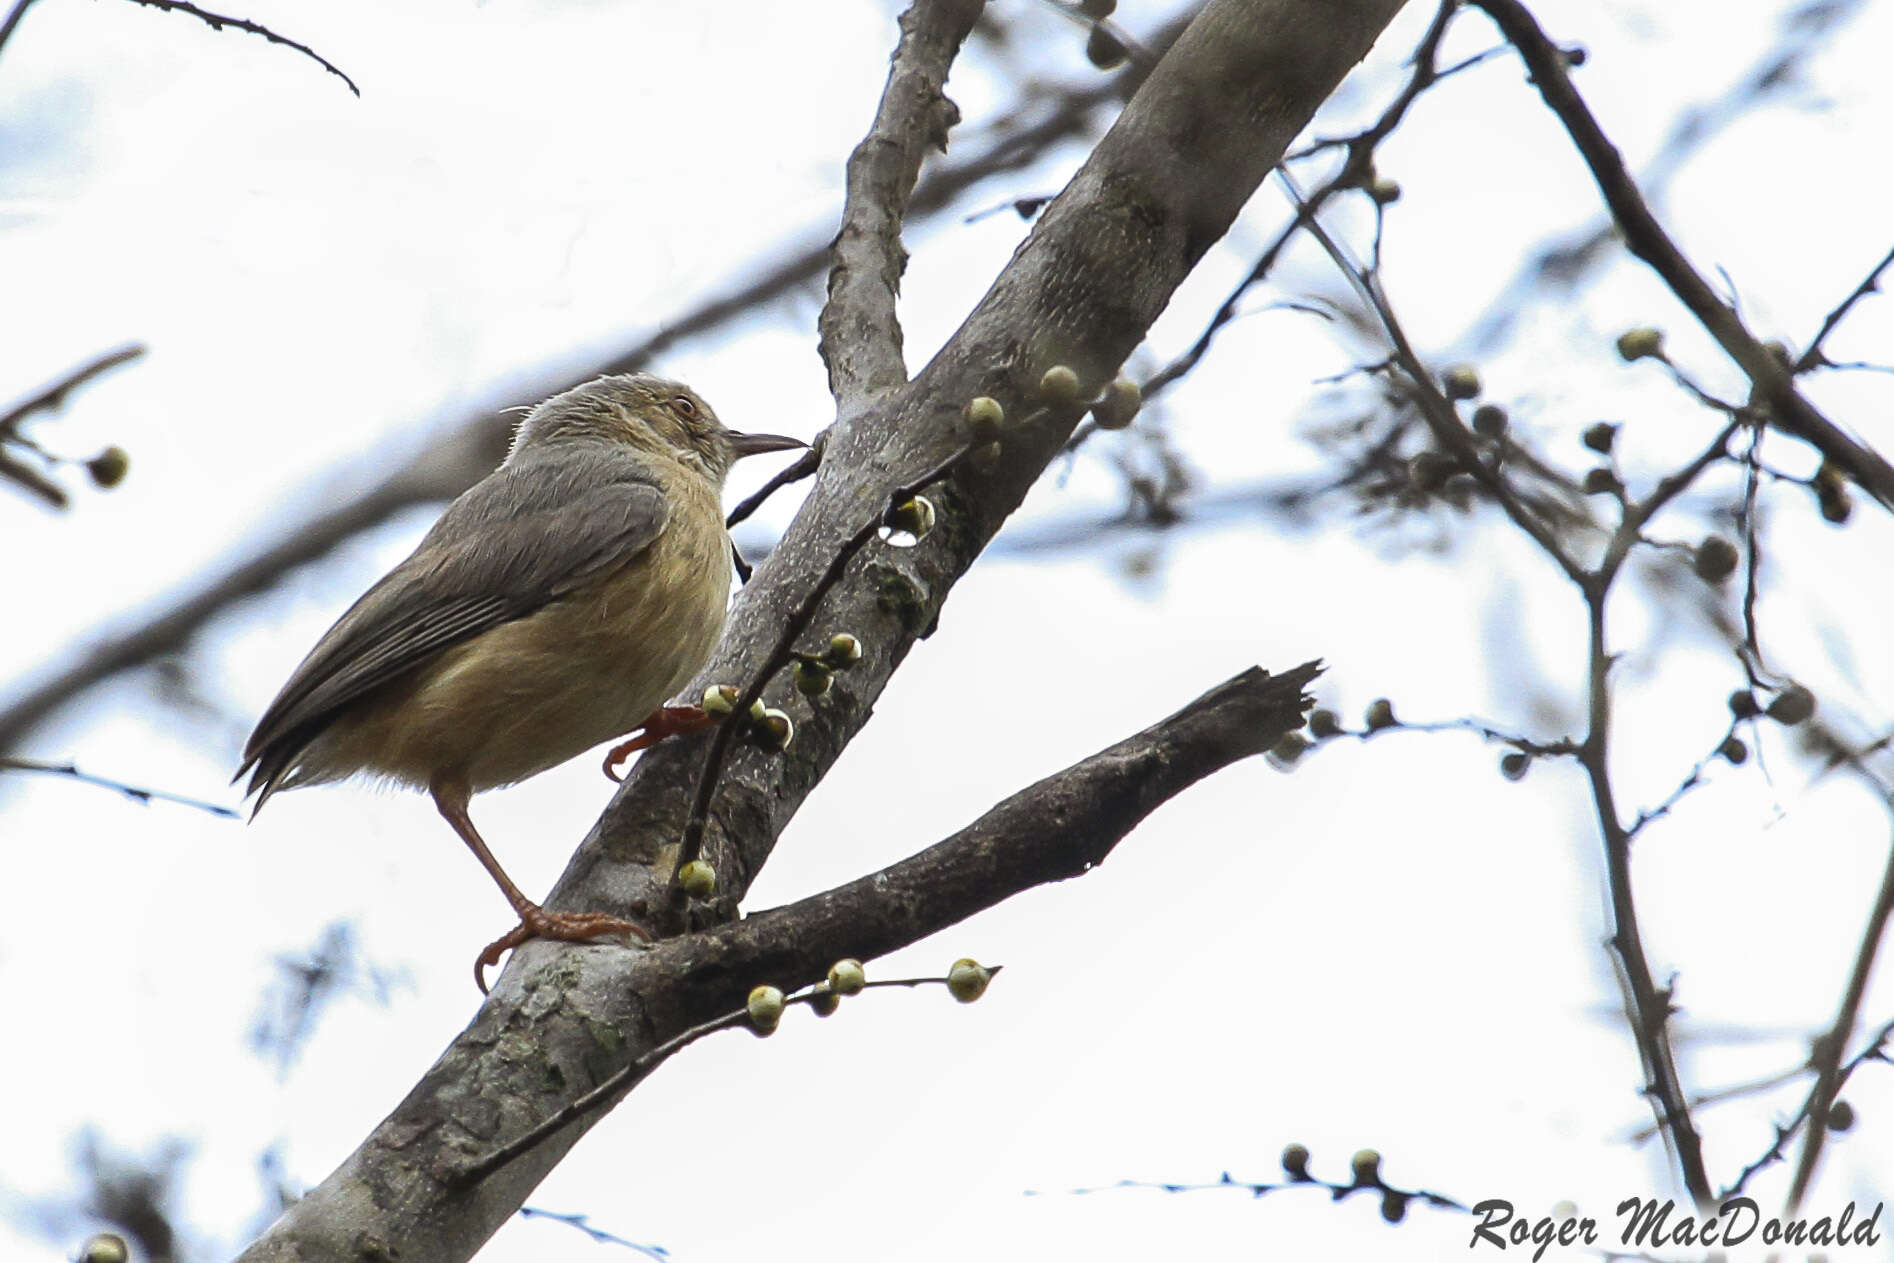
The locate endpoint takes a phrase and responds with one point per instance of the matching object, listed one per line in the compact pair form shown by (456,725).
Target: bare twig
(54,395)
(1830,1049)
(23,475)
(1785,1132)
(1559,268)
(1394,1201)
(804,465)
(633,1072)
(217,22)
(583,1224)
(1648,1007)
(798,622)
(136,793)
(47,398)
(1646,239)
(1435,407)
(1812,357)
(860,329)
(13,19)
(1355,171)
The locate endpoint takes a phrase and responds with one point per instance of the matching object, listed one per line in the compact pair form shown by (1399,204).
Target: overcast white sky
(1390,947)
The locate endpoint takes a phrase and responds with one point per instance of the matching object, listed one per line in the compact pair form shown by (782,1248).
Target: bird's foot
(666,721)
(569,927)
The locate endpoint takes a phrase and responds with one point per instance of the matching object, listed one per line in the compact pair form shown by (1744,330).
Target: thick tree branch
(1063,826)
(459,1154)
(860,330)
(1158,191)
(1773,380)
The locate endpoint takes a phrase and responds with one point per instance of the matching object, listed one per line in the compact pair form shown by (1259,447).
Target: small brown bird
(555,605)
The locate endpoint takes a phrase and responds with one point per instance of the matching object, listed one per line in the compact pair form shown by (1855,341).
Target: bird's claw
(569,927)
(666,721)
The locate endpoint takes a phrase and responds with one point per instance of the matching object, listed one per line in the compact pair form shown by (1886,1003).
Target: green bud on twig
(765,1008)
(1792,705)
(1105,50)
(1118,405)
(1716,559)
(1599,436)
(697,879)
(847,977)
(967,979)
(913,517)
(844,652)
(813,679)
(109,466)
(1641,343)
(985,417)
(1059,385)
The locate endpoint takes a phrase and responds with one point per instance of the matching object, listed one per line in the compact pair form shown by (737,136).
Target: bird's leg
(665,721)
(450,797)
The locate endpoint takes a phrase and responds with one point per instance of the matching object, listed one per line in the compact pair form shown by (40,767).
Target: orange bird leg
(535,922)
(665,721)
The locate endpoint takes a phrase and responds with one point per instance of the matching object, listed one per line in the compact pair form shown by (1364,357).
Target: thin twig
(1831,1047)
(1435,407)
(628,1075)
(1354,173)
(217,22)
(13,19)
(583,1224)
(692,843)
(1391,1196)
(1650,1011)
(54,395)
(804,465)
(1692,779)
(1869,285)
(136,793)
(1648,1006)
(1647,240)
(21,474)
(1875,1051)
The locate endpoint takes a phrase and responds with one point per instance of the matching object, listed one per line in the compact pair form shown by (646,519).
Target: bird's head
(653,414)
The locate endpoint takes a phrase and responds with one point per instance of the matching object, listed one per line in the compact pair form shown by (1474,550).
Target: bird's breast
(590,666)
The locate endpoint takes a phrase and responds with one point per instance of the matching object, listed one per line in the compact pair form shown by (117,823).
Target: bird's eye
(685,408)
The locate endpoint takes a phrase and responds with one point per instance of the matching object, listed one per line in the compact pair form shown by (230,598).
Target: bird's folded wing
(524,537)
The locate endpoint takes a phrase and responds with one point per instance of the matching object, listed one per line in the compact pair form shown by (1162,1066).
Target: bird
(556,604)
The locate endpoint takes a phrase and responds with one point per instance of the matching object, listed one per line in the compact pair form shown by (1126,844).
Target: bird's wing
(533,531)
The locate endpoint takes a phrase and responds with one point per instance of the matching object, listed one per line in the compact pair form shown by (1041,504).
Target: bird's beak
(753,444)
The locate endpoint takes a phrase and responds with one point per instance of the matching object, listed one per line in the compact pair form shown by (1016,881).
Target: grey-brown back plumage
(552,518)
